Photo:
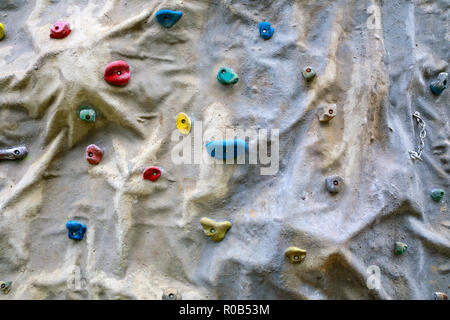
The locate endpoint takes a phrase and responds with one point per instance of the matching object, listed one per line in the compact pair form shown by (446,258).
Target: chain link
(417,155)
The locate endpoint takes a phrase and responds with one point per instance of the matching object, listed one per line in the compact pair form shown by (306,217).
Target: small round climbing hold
(2,31)
(5,286)
(334,183)
(227,76)
(183,123)
(167,18)
(226,149)
(152,173)
(215,230)
(437,194)
(326,112)
(60,30)
(94,154)
(308,73)
(265,30)
(440,296)
(87,114)
(117,73)
(14,153)
(438,85)
(171,294)
(295,255)
(400,247)
(76,230)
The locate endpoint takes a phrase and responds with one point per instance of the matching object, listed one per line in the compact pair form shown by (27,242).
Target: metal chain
(417,155)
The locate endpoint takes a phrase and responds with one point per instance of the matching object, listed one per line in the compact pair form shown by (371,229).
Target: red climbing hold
(152,173)
(60,30)
(117,73)
(94,154)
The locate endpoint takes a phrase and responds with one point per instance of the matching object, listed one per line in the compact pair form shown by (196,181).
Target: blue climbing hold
(167,18)
(76,230)
(226,149)
(265,30)
(438,85)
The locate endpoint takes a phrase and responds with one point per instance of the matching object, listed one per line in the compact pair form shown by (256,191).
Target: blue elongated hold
(227,76)
(167,18)
(76,230)
(438,85)
(226,149)
(265,30)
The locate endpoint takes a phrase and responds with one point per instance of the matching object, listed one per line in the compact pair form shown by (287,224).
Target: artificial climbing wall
(374,63)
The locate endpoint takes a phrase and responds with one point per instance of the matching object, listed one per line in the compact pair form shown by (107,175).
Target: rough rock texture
(374,60)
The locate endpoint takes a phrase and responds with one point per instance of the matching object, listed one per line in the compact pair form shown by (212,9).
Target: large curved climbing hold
(167,18)
(171,294)
(5,286)
(227,76)
(87,114)
(183,123)
(334,184)
(94,154)
(440,296)
(294,254)
(2,31)
(151,173)
(437,194)
(76,230)
(400,247)
(117,73)
(326,112)
(215,230)
(265,30)
(60,30)
(438,85)
(226,149)
(308,73)
(15,153)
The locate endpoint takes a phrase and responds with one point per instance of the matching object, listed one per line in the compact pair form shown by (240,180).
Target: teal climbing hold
(400,247)
(437,194)
(87,114)
(438,85)
(227,76)
(167,18)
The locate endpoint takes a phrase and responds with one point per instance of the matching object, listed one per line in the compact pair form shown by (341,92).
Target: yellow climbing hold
(183,123)
(296,255)
(215,230)
(2,31)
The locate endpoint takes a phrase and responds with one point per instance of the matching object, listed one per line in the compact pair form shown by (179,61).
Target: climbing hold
(87,114)
(438,85)
(400,248)
(437,194)
(308,73)
(15,153)
(183,123)
(326,112)
(2,31)
(167,18)
(5,286)
(440,296)
(60,30)
(265,30)
(215,230)
(76,230)
(117,73)
(152,173)
(334,183)
(227,76)
(171,294)
(94,154)
(225,149)
(296,255)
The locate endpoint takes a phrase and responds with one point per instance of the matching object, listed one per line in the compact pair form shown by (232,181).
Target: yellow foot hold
(2,31)
(171,294)
(296,255)
(215,230)
(183,123)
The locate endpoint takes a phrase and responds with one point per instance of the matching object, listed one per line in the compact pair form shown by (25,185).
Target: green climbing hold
(87,114)
(227,76)
(400,248)
(437,194)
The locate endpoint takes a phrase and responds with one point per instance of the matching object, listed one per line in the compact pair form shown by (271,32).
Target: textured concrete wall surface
(374,60)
